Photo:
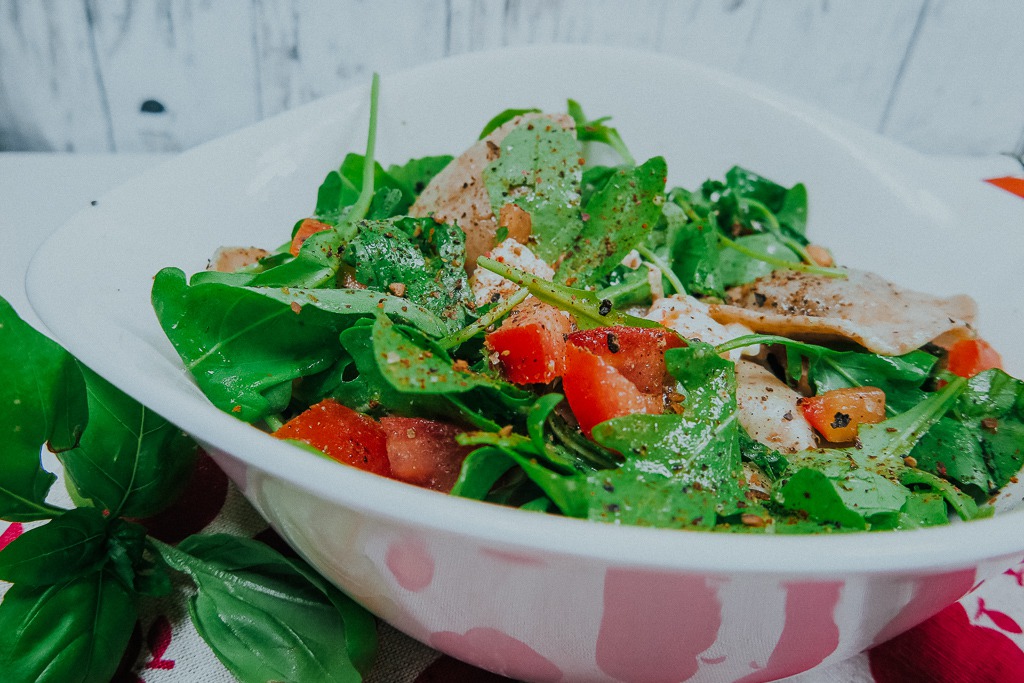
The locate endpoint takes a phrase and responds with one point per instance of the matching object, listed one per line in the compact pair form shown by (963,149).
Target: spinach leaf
(265,619)
(539,170)
(980,445)
(503,117)
(860,486)
(244,349)
(68,547)
(900,377)
(43,395)
(597,131)
(736,268)
(70,632)
(618,217)
(423,260)
(414,175)
(694,252)
(130,461)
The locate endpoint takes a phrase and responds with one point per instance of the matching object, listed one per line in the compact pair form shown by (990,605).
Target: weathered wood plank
(938,75)
(51,95)
(962,90)
(177,72)
(307,49)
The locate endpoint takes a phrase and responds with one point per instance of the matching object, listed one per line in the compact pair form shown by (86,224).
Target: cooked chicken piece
(458,195)
(767,410)
(230,259)
(863,307)
(689,317)
(489,287)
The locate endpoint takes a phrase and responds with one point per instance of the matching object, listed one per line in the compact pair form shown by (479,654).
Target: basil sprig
(79,579)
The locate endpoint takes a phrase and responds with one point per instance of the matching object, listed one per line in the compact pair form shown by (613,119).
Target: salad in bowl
(523,325)
(594,350)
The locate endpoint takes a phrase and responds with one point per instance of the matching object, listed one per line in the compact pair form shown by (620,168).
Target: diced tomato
(968,357)
(531,343)
(424,452)
(838,414)
(638,353)
(596,391)
(341,433)
(309,226)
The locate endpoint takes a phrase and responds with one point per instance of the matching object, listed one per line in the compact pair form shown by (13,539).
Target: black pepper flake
(606,307)
(760,298)
(612,508)
(841,420)
(788,416)
(613,342)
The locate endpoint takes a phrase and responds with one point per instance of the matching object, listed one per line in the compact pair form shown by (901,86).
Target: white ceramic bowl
(529,595)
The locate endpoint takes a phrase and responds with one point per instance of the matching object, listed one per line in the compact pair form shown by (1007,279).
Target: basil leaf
(480,471)
(130,461)
(43,395)
(71,632)
(265,619)
(539,170)
(134,561)
(68,547)
(618,217)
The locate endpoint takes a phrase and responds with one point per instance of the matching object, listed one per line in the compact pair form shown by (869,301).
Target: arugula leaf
(265,618)
(597,131)
(539,170)
(425,259)
(618,217)
(414,175)
(481,469)
(130,461)
(503,117)
(70,632)
(68,547)
(43,395)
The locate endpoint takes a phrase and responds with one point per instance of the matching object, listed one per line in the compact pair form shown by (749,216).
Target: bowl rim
(929,550)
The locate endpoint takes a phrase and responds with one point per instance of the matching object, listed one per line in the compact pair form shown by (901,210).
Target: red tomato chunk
(531,343)
(341,433)
(424,452)
(968,357)
(638,353)
(596,391)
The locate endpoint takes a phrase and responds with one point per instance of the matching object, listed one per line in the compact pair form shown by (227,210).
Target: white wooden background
(943,76)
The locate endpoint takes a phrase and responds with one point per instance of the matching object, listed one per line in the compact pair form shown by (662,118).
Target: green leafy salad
(524,326)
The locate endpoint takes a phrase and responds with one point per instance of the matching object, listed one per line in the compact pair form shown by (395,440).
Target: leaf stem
(362,205)
(492,316)
(665,269)
(584,305)
(938,405)
(781,263)
(274,422)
